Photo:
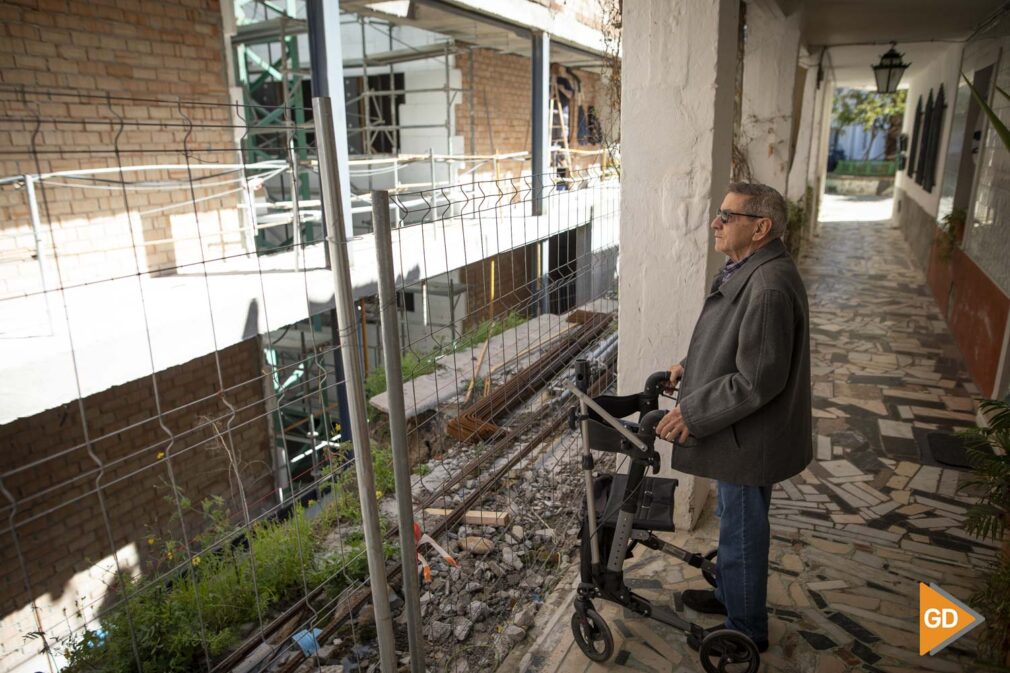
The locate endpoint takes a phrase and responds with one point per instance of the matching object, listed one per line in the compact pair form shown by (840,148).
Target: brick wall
(501,106)
(63,498)
(58,61)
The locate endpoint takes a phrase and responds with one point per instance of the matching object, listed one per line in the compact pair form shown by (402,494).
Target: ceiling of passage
(857,32)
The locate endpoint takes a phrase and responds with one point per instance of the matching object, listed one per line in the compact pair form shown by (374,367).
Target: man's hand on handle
(672,427)
(676,374)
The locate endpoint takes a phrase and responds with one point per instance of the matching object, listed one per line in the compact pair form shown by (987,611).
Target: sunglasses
(725,215)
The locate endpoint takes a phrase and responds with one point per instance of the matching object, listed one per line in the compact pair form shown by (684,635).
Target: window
(405,300)
(933,142)
(916,131)
(371,117)
(926,146)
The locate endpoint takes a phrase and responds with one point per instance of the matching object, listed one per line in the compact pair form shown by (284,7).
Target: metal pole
(449,96)
(250,204)
(33,211)
(431,168)
(322,108)
(540,152)
(397,423)
(366,145)
(582,380)
(473,104)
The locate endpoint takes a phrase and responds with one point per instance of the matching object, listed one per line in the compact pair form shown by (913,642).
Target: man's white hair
(764,201)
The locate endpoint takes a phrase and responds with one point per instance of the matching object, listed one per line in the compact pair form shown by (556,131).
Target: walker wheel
(593,636)
(710,576)
(727,651)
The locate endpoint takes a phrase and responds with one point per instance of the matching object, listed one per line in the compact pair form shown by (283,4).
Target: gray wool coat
(745,395)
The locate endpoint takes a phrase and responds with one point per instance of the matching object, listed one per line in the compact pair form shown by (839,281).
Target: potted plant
(952,232)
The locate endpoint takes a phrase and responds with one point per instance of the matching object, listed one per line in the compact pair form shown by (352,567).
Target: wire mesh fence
(179,490)
(497,489)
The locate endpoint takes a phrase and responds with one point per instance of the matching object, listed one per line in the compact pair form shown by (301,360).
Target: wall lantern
(889,71)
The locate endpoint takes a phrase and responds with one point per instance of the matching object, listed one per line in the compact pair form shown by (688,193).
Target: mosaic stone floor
(871,516)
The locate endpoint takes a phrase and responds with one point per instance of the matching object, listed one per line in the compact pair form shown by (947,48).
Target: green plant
(177,625)
(795,222)
(994,120)
(342,480)
(487,329)
(991,479)
(953,227)
(988,519)
(413,364)
(993,601)
(875,112)
(336,571)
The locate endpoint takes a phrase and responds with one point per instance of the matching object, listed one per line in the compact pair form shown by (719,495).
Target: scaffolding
(275,88)
(273,70)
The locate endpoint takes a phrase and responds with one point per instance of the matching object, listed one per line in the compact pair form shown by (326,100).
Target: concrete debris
(514,634)
(525,617)
(436,630)
(476,545)
(461,627)
(510,558)
(478,611)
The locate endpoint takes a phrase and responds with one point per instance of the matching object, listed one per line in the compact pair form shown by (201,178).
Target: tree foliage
(875,112)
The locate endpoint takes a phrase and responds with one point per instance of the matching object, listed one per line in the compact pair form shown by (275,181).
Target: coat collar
(732,287)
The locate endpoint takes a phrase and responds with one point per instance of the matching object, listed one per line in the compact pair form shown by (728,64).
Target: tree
(875,112)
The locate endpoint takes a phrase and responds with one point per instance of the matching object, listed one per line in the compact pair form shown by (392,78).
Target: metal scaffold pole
(322,108)
(397,423)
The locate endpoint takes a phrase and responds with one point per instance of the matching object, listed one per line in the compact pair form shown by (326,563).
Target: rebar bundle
(478,421)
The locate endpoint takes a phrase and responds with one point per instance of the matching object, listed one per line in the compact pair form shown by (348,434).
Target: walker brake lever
(574,418)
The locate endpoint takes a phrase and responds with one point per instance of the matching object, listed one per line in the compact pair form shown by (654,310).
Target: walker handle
(656,384)
(647,426)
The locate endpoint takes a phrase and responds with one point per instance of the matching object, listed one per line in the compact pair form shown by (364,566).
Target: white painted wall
(798,173)
(769,73)
(433,109)
(818,171)
(680,59)
(987,238)
(943,69)
(854,141)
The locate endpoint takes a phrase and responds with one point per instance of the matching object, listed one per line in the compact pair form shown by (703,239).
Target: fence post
(33,211)
(322,108)
(397,423)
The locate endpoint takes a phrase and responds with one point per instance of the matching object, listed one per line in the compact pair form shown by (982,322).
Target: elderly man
(744,415)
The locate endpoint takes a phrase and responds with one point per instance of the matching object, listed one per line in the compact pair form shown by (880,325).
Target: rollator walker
(623,511)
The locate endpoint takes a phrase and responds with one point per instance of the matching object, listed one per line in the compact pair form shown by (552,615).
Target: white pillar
(328,80)
(822,131)
(769,78)
(679,68)
(800,168)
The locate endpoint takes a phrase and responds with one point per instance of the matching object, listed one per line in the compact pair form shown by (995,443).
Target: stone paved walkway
(872,516)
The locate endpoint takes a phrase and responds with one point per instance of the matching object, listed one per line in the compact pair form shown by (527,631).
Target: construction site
(294,294)
(174,399)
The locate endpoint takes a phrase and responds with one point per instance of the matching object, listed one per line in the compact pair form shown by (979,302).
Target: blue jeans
(742,563)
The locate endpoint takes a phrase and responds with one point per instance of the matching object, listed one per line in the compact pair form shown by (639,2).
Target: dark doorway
(561,276)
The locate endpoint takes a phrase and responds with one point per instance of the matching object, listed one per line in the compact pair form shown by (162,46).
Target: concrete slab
(73,342)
